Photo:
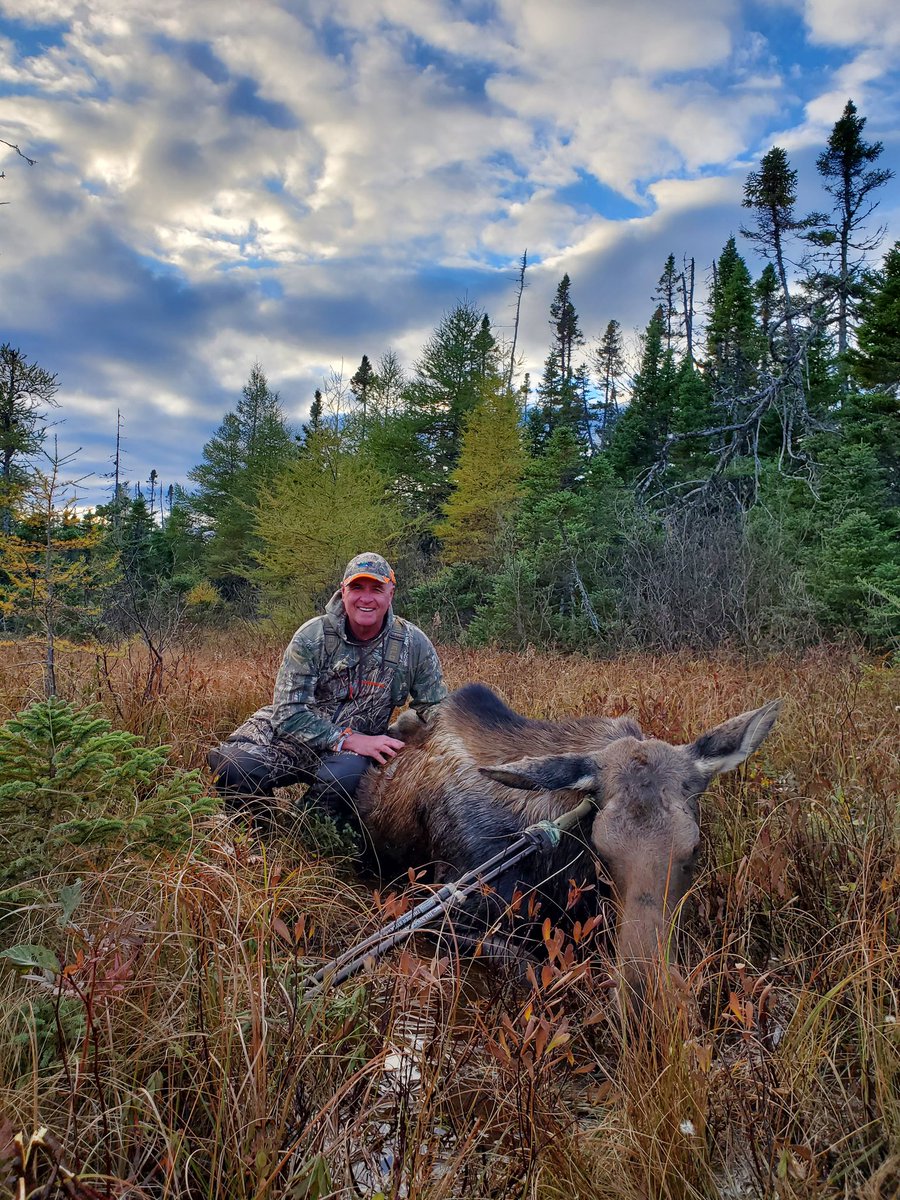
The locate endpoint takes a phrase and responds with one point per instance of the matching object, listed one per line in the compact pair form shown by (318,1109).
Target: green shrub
(69,782)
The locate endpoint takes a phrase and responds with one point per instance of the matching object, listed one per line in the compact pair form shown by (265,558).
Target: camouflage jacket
(328,682)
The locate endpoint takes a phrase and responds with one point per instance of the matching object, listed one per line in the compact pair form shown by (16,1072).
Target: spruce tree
(251,446)
(316,411)
(561,403)
(362,385)
(734,343)
(876,359)
(609,364)
(768,307)
(771,194)
(850,177)
(668,293)
(26,390)
(457,363)
(871,413)
(640,433)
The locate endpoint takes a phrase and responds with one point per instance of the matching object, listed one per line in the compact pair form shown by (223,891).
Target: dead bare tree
(521,288)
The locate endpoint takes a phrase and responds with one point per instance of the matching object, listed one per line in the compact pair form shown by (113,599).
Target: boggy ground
(174,1055)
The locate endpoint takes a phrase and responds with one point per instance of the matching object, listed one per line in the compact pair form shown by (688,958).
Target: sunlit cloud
(220,183)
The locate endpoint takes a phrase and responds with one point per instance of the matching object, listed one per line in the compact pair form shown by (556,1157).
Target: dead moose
(480,773)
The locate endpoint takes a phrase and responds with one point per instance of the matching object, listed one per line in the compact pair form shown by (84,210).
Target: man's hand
(380,746)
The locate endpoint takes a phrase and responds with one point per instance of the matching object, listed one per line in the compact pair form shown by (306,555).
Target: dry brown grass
(176,1057)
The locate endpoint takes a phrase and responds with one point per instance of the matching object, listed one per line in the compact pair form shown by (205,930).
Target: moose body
(480,773)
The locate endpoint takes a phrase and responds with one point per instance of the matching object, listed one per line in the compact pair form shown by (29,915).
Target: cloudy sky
(306,181)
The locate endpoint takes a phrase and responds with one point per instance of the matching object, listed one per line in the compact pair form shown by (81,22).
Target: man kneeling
(341,678)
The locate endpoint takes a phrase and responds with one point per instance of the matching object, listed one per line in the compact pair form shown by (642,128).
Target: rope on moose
(542,834)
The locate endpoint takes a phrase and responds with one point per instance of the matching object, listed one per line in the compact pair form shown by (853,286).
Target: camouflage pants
(253,761)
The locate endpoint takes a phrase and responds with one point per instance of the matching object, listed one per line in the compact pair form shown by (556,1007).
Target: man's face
(366,602)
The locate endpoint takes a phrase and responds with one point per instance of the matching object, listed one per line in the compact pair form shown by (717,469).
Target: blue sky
(303,182)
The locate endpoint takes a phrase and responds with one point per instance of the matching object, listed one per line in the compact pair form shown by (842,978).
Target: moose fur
(479,773)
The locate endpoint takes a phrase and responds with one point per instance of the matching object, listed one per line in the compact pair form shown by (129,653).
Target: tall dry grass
(175,1055)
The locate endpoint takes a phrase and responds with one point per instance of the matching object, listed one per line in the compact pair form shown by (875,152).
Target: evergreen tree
(733,341)
(844,537)
(391,431)
(771,193)
(609,364)
(26,389)
(564,320)
(51,580)
(138,552)
(695,410)
(314,424)
(876,359)
(561,403)
(768,308)
(556,585)
(180,544)
(389,385)
(871,413)
(847,168)
(641,431)
(786,415)
(458,363)
(362,385)
(241,459)
(668,293)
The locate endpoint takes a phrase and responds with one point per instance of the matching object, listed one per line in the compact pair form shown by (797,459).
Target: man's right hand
(379,746)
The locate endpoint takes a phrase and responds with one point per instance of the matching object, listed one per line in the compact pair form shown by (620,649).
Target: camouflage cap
(369,566)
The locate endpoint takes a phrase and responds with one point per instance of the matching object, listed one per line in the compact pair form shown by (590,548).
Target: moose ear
(723,748)
(551,773)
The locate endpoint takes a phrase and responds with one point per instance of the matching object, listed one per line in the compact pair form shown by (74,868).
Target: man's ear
(552,773)
(726,746)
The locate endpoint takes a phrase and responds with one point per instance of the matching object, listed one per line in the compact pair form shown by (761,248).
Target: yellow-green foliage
(203,595)
(50,576)
(487,481)
(321,510)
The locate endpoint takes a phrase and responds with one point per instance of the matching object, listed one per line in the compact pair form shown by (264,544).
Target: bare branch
(31,161)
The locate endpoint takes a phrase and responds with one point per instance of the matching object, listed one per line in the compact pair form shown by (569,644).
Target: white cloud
(222,181)
(854,22)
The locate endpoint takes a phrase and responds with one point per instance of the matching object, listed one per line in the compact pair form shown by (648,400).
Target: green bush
(71,783)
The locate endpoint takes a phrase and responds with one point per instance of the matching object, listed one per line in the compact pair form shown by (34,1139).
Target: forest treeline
(729,477)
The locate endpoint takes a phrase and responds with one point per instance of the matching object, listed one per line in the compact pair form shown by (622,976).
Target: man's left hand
(379,746)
